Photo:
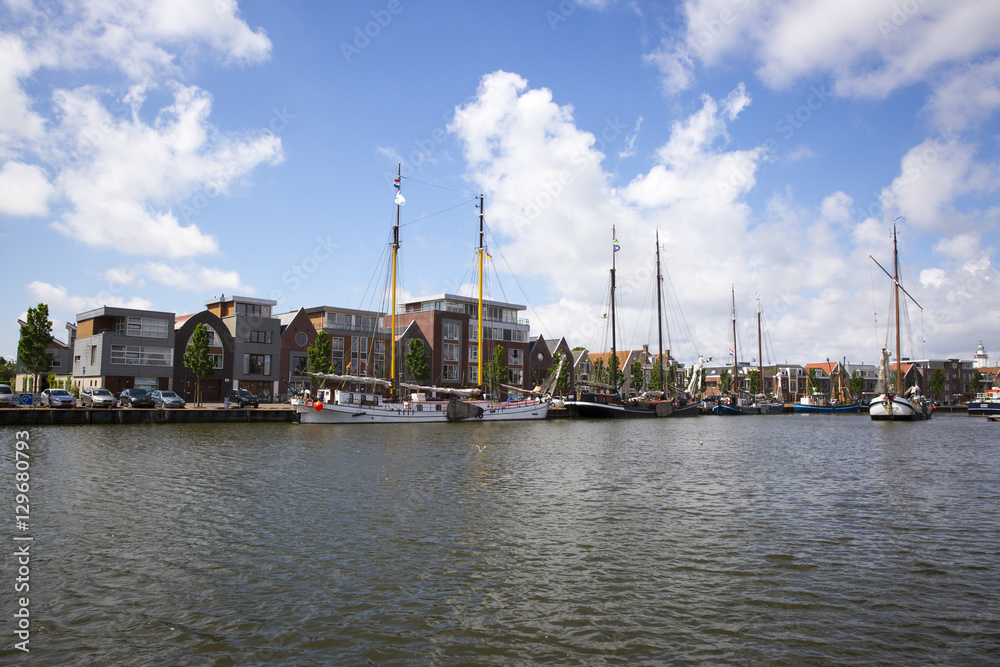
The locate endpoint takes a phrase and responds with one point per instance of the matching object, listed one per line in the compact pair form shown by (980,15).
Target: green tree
(320,354)
(613,370)
(36,336)
(857,384)
(725,380)
(600,372)
(8,369)
(495,370)
(753,377)
(654,376)
(937,383)
(974,385)
(196,358)
(637,376)
(672,375)
(812,384)
(703,385)
(416,362)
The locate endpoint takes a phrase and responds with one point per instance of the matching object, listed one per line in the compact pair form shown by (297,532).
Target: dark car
(241,398)
(135,398)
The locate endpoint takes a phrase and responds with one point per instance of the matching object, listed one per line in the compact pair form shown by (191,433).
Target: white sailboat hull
(418,412)
(887,407)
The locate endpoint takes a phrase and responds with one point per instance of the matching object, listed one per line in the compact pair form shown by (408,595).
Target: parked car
(241,398)
(58,398)
(167,399)
(7,397)
(135,398)
(97,397)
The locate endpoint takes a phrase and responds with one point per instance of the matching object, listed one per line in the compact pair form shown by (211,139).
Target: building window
(514,375)
(474,354)
(515,357)
(146,327)
(253,309)
(337,354)
(301,338)
(133,355)
(56,362)
(93,355)
(378,360)
(256,364)
(474,331)
(299,365)
(450,372)
(452,330)
(149,384)
(216,360)
(257,336)
(474,374)
(450,352)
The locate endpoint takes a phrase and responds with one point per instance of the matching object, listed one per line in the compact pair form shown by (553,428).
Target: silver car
(167,399)
(97,397)
(7,396)
(58,398)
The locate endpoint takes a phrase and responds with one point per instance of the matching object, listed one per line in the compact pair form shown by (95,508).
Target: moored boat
(985,403)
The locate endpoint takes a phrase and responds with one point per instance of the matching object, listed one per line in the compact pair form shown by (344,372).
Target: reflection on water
(756,539)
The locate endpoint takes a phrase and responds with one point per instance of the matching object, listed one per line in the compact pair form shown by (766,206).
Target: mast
(736,366)
(659,312)
(895,286)
(482,250)
(760,353)
(614,352)
(395,251)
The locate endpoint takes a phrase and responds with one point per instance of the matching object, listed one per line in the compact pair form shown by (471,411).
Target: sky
(158,153)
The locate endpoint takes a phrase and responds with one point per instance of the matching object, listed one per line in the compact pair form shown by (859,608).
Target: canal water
(753,540)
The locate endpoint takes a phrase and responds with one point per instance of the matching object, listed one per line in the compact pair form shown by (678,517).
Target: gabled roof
(827,367)
(179,320)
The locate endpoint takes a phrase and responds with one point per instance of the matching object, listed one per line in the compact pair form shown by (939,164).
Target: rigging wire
(431,215)
(440,187)
(513,275)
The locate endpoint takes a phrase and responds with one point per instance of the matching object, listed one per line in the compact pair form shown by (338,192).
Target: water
(778,540)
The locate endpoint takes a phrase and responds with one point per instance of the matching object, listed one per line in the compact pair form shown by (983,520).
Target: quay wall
(63,416)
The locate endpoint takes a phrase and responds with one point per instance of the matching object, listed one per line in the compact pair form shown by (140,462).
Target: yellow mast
(395,249)
(480,332)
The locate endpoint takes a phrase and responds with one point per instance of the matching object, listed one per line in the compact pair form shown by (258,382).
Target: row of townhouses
(266,353)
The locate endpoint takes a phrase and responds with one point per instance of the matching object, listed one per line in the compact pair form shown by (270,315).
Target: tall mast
(659,311)
(736,366)
(895,283)
(482,250)
(614,352)
(760,354)
(395,250)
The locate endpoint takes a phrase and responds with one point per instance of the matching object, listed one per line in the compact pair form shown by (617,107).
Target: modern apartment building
(451,326)
(256,342)
(359,343)
(221,350)
(121,348)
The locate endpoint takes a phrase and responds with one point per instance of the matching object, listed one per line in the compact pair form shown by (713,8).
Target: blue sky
(159,153)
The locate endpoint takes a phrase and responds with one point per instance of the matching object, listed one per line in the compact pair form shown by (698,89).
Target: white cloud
(17,119)
(967,96)
(869,47)
(932,176)
(24,189)
(551,201)
(194,278)
(124,177)
(59,299)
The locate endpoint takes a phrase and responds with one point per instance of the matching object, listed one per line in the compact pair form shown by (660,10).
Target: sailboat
(609,404)
(840,403)
(890,402)
(736,403)
(340,406)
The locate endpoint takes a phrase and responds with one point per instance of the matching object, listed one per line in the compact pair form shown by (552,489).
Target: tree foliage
(36,336)
(637,379)
(8,369)
(857,384)
(725,380)
(654,376)
(937,382)
(196,358)
(562,382)
(672,375)
(495,370)
(974,385)
(320,354)
(600,372)
(416,361)
(753,377)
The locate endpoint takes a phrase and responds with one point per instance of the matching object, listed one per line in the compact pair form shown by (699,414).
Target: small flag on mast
(399,195)
(617,247)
